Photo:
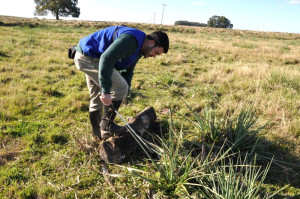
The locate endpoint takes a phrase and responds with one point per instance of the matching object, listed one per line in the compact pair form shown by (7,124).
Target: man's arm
(128,72)
(123,47)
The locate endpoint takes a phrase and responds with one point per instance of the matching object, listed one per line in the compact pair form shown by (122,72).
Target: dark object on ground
(115,149)
(71,52)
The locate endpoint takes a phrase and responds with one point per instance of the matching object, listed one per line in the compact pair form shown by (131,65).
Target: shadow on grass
(285,168)
(52,92)
(133,95)
(3,55)
(7,24)
(21,24)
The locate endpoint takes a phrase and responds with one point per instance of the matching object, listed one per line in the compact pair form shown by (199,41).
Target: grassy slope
(44,100)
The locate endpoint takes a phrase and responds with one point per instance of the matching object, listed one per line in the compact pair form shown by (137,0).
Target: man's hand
(106,99)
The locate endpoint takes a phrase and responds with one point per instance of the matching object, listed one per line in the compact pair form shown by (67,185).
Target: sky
(257,15)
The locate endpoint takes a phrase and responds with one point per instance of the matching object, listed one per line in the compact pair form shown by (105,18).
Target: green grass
(46,147)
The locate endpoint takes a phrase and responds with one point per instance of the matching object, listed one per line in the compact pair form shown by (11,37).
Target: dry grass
(44,99)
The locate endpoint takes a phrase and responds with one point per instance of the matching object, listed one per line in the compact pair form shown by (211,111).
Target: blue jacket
(96,43)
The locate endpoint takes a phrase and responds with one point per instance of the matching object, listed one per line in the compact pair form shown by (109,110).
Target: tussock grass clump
(238,132)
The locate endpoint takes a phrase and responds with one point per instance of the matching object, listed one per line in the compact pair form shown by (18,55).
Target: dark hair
(161,39)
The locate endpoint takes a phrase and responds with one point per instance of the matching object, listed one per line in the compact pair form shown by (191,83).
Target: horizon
(86,20)
(254,16)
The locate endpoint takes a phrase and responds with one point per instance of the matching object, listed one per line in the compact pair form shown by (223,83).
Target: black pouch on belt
(71,52)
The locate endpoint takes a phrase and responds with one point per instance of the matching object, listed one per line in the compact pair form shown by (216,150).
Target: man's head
(155,44)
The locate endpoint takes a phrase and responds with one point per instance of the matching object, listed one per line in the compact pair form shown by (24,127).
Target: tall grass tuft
(241,132)
(238,132)
(236,179)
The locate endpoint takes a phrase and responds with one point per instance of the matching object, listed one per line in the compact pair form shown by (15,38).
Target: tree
(219,22)
(58,8)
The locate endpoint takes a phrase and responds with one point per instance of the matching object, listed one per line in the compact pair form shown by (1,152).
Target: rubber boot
(95,118)
(108,126)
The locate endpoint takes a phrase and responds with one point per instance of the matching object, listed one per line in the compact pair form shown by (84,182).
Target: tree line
(188,23)
(215,22)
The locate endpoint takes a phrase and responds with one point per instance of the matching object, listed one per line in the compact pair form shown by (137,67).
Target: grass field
(218,73)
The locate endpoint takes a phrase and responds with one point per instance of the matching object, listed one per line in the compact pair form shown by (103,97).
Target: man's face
(152,50)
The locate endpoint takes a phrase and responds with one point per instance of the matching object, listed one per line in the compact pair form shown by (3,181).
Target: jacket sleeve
(123,47)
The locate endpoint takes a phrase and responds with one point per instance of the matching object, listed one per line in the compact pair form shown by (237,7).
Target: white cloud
(198,3)
(294,2)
